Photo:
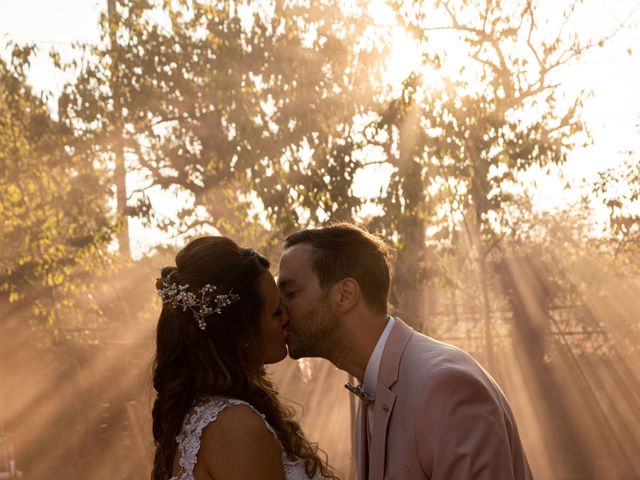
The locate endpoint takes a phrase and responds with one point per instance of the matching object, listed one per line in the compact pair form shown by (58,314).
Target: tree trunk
(120,173)
(409,277)
(488,331)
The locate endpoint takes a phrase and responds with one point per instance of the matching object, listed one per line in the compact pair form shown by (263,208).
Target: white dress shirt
(373,366)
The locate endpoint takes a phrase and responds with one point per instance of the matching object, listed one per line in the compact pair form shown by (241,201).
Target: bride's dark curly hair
(224,359)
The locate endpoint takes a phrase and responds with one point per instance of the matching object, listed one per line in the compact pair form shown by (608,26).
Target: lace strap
(204,414)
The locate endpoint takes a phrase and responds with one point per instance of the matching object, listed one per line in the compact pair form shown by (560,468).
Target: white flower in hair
(201,303)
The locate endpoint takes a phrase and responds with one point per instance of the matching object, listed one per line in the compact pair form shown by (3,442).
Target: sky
(612,74)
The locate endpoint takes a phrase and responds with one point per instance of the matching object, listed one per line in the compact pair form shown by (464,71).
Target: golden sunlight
(493,146)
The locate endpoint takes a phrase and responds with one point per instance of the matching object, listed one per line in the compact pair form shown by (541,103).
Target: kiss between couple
(427,409)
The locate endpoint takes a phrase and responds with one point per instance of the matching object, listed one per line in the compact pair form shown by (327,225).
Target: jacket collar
(392,353)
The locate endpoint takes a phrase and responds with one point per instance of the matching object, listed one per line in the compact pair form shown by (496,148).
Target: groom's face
(312,324)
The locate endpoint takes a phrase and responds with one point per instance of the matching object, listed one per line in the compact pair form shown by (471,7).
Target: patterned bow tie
(360,392)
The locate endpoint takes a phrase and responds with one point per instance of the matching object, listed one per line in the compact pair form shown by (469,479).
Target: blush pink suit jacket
(437,415)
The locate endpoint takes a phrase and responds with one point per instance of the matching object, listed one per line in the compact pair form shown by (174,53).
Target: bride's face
(272,322)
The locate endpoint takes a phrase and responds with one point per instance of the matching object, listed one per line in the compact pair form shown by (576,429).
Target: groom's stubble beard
(319,335)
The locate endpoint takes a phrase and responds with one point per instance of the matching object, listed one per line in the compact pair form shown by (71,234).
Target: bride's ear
(347,294)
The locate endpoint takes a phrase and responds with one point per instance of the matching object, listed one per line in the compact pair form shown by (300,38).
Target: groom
(428,410)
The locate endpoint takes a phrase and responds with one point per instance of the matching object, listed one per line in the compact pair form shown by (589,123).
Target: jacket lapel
(362,454)
(385,398)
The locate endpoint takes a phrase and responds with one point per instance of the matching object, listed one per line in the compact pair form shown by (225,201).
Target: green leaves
(618,189)
(263,115)
(215,94)
(52,208)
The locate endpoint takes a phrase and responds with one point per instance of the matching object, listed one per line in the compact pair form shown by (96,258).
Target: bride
(216,415)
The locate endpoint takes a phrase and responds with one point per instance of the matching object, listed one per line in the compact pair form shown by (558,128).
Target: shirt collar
(371,373)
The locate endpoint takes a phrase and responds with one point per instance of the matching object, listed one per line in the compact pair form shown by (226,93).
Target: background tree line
(265,117)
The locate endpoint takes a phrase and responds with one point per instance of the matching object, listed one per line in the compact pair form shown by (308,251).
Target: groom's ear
(347,294)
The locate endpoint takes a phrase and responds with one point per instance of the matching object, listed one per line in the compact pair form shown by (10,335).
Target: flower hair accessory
(202,303)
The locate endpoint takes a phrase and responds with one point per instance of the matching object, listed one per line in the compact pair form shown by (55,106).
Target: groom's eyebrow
(283,282)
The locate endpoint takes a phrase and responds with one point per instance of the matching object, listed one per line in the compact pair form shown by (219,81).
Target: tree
(56,225)
(619,190)
(241,106)
(482,109)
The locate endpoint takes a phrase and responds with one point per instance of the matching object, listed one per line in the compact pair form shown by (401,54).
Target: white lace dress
(207,412)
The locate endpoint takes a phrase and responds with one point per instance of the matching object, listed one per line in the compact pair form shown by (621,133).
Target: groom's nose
(284,318)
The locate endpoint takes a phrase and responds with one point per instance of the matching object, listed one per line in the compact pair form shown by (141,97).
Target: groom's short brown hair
(346,250)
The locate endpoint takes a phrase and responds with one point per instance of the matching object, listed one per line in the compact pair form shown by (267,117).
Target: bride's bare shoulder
(239,445)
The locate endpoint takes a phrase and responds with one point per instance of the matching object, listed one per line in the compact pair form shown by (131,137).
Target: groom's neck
(364,334)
